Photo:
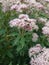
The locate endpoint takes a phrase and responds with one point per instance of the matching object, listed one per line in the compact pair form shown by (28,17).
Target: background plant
(14,42)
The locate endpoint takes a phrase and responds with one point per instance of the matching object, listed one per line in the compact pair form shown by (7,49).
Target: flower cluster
(6,4)
(42,20)
(46,28)
(19,7)
(23,21)
(35,37)
(28,5)
(39,55)
(32,22)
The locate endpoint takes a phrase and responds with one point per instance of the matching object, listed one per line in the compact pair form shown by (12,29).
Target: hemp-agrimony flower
(24,22)
(39,55)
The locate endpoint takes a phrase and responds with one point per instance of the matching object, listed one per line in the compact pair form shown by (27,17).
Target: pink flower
(45,30)
(14,22)
(39,5)
(23,16)
(14,7)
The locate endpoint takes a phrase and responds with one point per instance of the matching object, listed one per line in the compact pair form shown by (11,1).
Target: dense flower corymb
(24,22)
(19,7)
(39,55)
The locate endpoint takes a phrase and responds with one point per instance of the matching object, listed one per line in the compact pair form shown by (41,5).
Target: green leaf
(22,42)
(10,63)
(16,41)
(2,31)
(9,54)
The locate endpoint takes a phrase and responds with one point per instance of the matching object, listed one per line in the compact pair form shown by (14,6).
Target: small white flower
(45,30)
(14,7)
(35,37)
(14,22)
(23,16)
(47,24)
(47,0)
(31,20)
(39,5)
(42,20)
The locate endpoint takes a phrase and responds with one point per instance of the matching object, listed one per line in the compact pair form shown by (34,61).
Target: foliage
(14,43)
